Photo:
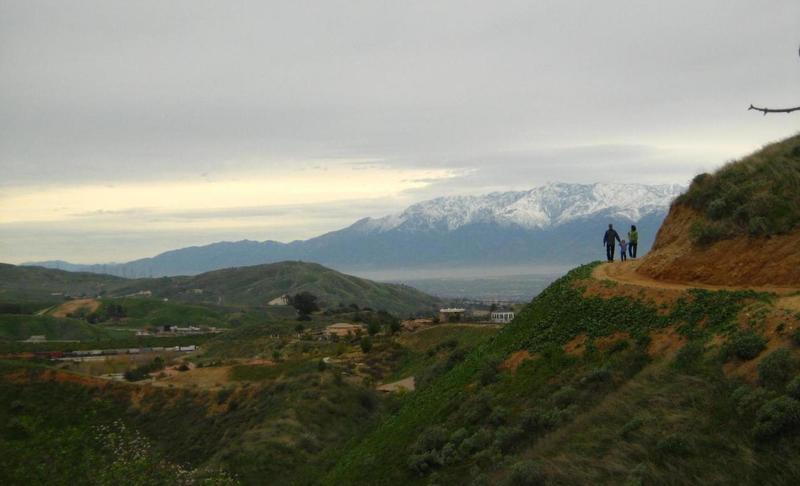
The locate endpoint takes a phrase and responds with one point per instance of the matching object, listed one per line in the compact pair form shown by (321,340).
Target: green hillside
(613,415)
(243,287)
(48,285)
(257,285)
(20,327)
(758,195)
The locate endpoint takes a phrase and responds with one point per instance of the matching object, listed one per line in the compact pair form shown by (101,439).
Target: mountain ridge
(552,223)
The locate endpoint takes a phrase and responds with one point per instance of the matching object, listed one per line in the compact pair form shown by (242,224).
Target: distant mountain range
(552,224)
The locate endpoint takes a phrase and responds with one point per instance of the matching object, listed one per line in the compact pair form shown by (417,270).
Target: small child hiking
(623,250)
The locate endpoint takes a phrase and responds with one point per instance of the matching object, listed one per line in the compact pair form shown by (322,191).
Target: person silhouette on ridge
(609,239)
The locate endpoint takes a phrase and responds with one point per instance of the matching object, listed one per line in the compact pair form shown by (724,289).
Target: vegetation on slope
(233,287)
(757,196)
(477,421)
(39,284)
(20,327)
(256,285)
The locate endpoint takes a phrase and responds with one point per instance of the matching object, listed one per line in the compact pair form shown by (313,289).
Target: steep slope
(550,224)
(595,383)
(738,226)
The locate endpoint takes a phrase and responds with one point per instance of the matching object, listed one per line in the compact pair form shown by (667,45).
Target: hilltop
(242,286)
(738,226)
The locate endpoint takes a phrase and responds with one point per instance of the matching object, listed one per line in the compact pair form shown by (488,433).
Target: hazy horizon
(129,129)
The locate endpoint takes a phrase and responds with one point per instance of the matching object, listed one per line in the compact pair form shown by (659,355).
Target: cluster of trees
(142,372)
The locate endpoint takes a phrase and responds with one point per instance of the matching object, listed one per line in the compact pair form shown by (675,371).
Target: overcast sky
(130,128)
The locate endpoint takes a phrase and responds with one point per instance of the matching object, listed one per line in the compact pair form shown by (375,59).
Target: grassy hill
(18,283)
(242,286)
(20,327)
(257,285)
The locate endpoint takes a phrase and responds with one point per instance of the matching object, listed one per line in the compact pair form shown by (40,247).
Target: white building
(282,300)
(502,317)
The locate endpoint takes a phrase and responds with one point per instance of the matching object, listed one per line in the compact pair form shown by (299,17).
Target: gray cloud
(507,94)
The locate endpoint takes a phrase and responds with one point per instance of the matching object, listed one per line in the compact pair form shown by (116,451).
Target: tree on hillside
(304,302)
(775,110)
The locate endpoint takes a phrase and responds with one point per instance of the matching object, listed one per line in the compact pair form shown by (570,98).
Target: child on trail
(623,249)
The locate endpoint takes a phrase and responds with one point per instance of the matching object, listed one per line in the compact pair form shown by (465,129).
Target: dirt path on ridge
(625,273)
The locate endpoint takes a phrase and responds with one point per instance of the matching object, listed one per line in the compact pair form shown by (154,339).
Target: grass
(19,327)
(757,196)
(544,393)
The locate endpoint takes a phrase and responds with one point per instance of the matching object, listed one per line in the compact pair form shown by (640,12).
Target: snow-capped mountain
(552,224)
(539,208)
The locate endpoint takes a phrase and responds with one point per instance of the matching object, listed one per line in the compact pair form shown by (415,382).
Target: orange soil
(772,262)
(515,360)
(660,298)
(664,342)
(91,305)
(605,342)
(577,345)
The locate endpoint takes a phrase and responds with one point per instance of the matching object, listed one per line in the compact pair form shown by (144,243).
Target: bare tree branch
(774,110)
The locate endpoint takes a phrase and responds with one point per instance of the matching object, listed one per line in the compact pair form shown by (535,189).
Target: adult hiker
(633,241)
(609,239)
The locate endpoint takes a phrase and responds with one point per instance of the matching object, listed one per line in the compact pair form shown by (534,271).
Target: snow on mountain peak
(549,205)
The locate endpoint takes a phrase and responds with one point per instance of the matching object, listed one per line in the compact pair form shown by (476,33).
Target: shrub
(539,420)
(707,232)
(525,473)
(424,463)
(459,435)
(498,416)
(507,437)
(793,388)
(777,417)
(477,441)
(796,337)
(564,397)
(745,345)
(430,439)
(689,355)
(776,369)
(488,374)
(597,376)
(748,399)
(366,344)
(631,426)
(674,444)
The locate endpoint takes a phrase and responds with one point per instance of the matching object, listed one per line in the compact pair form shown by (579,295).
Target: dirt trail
(625,272)
(72,306)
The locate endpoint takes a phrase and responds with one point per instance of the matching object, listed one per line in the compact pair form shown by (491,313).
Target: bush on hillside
(776,369)
(745,345)
(749,399)
(525,473)
(793,388)
(689,355)
(430,439)
(777,417)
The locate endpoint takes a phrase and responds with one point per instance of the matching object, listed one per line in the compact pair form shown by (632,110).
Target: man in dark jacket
(609,239)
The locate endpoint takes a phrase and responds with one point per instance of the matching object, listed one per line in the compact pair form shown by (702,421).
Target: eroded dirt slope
(739,262)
